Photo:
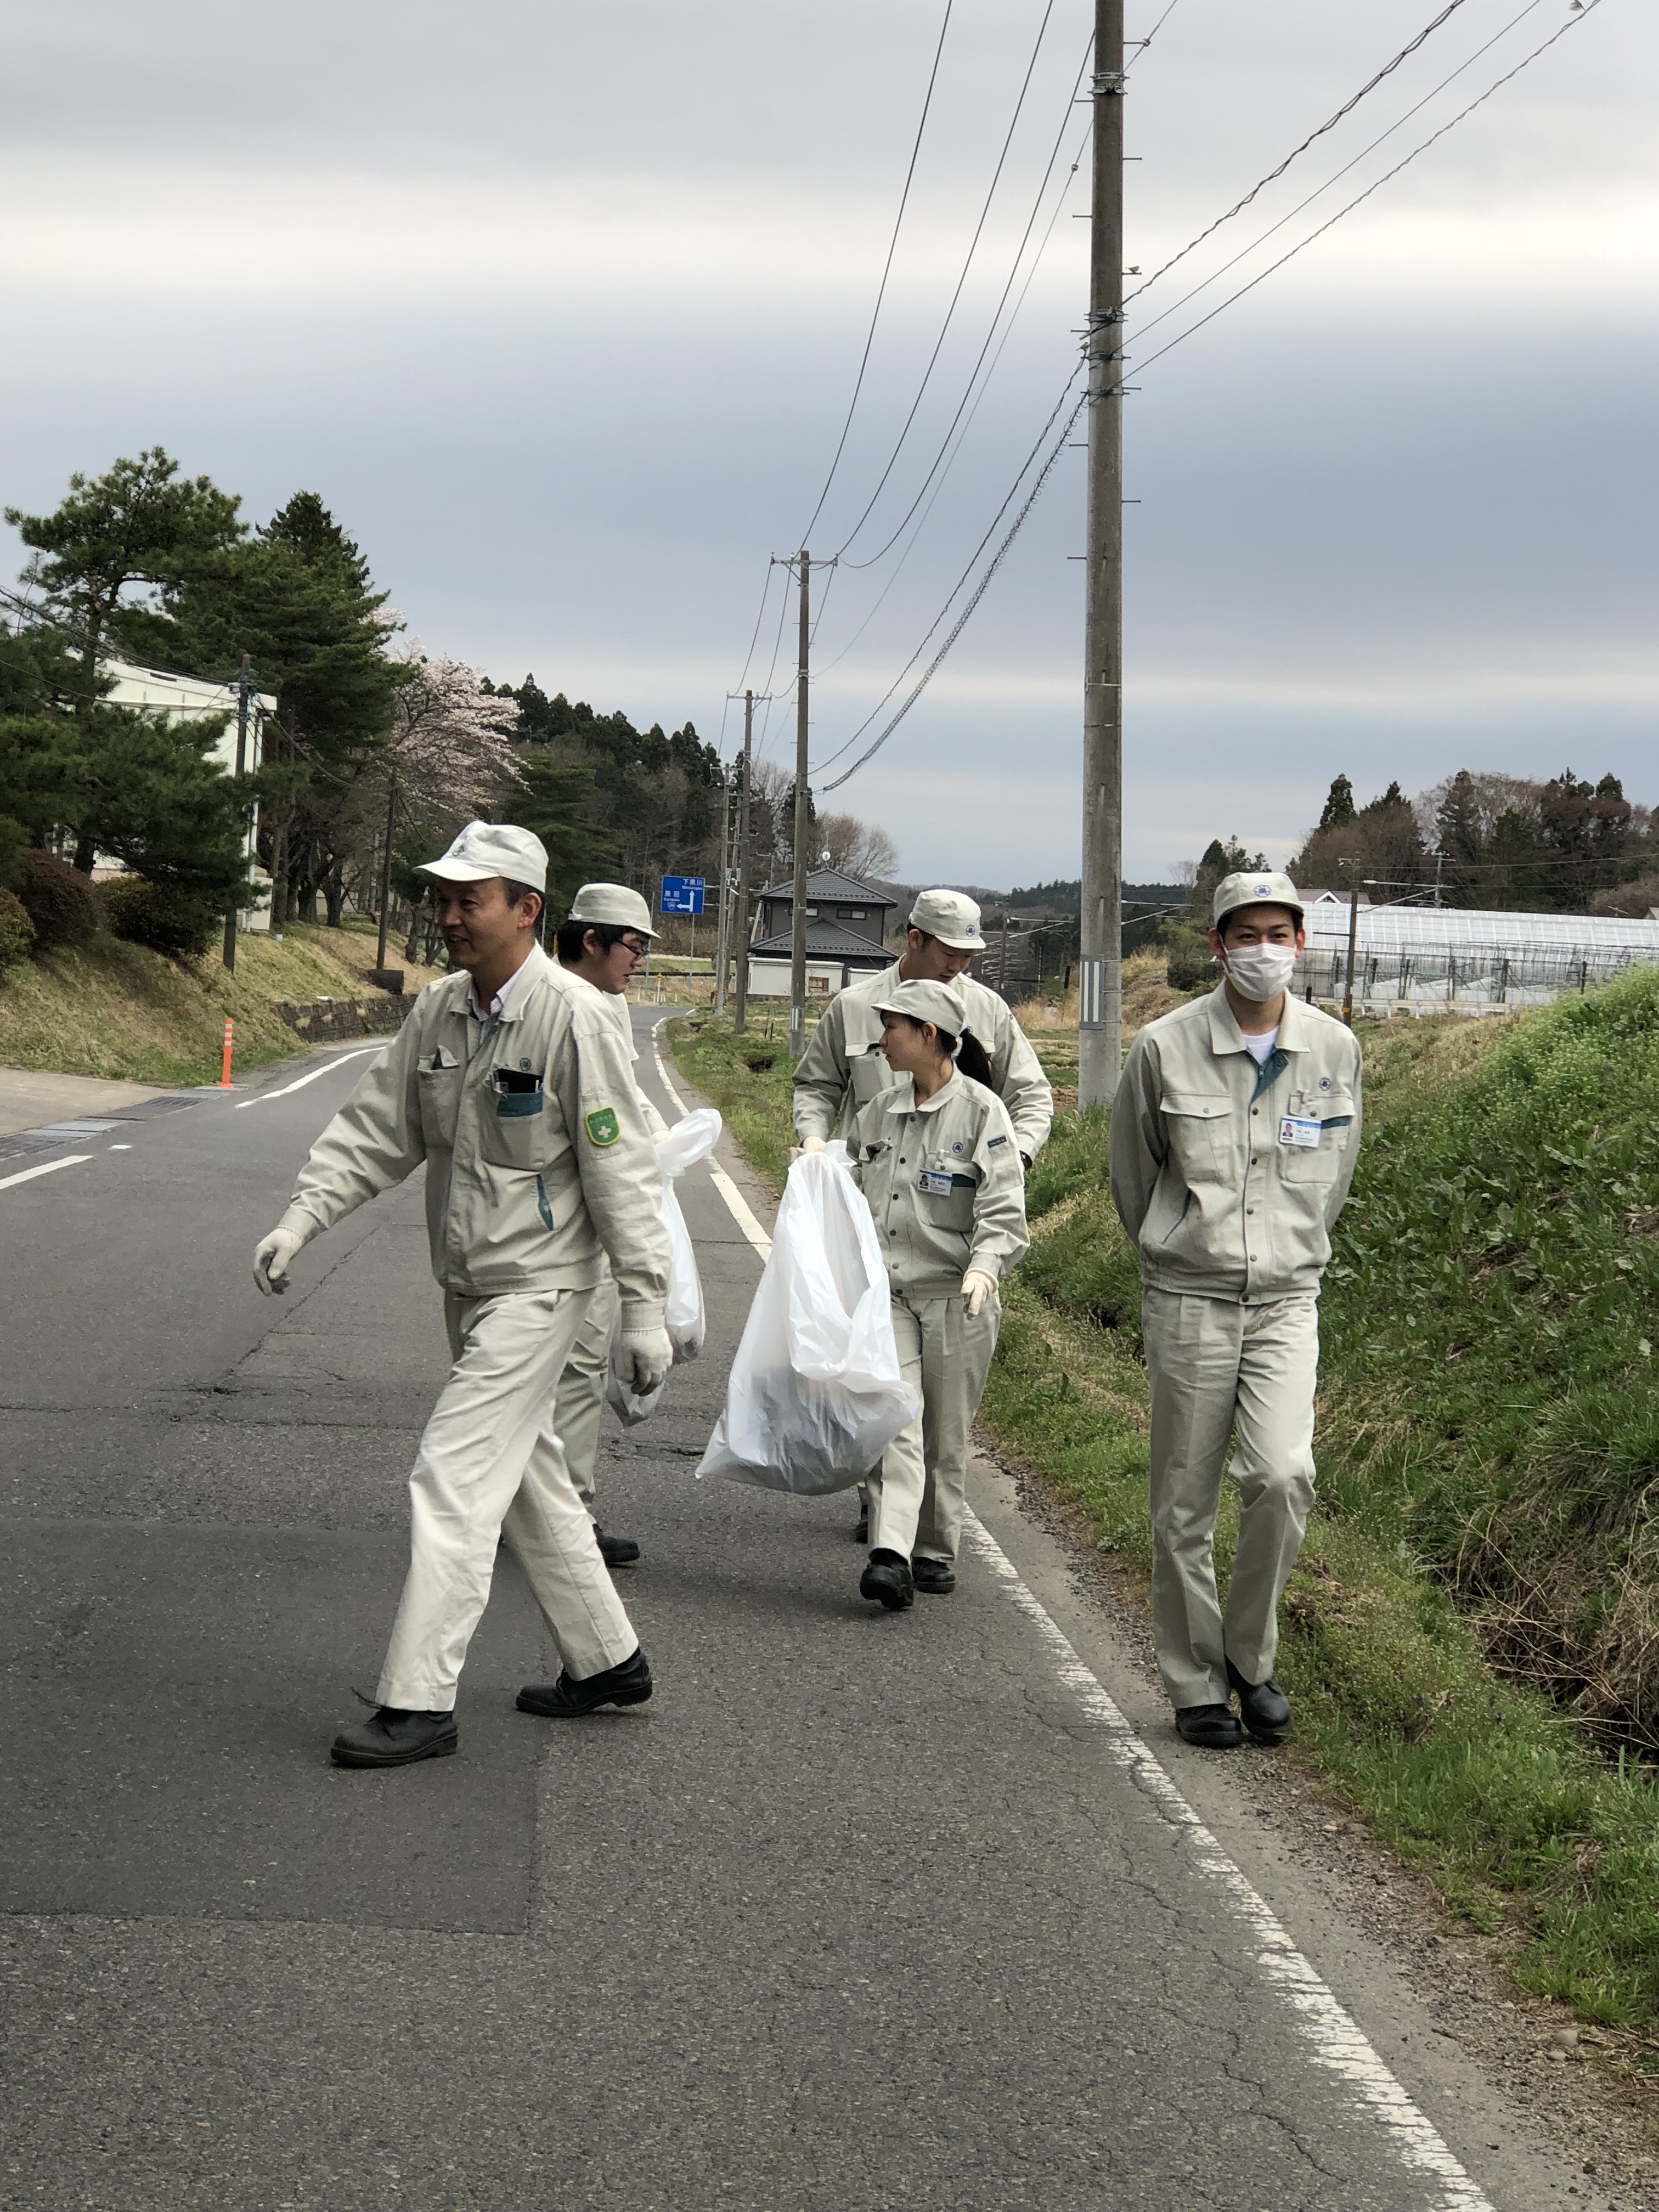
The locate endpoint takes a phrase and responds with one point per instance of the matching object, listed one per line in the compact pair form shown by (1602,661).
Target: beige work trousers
(490,1465)
(579,1408)
(1219,1371)
(919,1493)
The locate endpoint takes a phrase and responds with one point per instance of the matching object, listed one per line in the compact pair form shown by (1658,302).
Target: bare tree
(856,849)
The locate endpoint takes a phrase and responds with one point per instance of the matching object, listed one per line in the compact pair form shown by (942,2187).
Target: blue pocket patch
(517,1101)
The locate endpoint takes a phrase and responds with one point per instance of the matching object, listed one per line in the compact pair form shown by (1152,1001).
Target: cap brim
(455,871)
(958,944)
(1289,906)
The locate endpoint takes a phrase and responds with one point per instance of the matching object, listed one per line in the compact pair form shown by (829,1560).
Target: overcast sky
(559,309)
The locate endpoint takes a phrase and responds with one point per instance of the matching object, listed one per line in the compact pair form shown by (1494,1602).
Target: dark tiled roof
(829,883)
(825,942)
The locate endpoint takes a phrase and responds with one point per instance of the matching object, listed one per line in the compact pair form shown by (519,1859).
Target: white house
(181,698)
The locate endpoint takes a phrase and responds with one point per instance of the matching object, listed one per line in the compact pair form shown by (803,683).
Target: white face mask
(1261,972)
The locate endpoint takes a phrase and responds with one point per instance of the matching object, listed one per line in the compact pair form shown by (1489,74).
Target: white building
(183,698)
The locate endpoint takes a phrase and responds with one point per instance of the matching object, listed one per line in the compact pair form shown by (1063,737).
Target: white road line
(736,1204)
(47,1167)
(300,1081)
(1335,2039)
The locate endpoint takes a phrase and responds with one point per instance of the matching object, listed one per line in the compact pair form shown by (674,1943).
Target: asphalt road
(873,1910)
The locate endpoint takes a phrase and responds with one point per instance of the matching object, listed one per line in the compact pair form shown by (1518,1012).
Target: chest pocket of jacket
(438,1075)
(513,1124)
(1197,1122)
(1320,1163)
(944,1193)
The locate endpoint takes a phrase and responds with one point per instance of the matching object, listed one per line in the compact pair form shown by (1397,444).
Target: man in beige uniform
(842,1070)
(606,935)
(1235,1133)
(509,1080)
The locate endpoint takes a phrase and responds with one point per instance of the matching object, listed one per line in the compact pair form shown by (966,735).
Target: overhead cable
(1273,175)
(979,592)
(972,247)
(1030,224)
(887,270)
(1243,254)
(1588,9)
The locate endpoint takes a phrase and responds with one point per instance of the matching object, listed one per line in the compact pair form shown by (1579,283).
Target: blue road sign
(681,894)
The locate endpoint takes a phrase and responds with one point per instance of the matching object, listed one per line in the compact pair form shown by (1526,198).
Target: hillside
(113,1009)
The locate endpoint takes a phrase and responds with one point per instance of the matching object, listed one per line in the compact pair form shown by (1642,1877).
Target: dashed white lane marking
(1335,2039)
(736,1204)
(300,1081)
(47,1167)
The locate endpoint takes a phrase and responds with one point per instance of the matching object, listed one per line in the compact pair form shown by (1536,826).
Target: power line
(1572,23)
(985,386)
(1244,252)
(979,590)
(973,246)
(887,270)
(1019,255)
(1273,175)
(1143,43)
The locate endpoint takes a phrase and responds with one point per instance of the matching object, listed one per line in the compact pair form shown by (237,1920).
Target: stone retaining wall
(322,1020)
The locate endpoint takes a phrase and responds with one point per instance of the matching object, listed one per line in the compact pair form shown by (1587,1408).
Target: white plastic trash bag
(691,1140)
(815,1395)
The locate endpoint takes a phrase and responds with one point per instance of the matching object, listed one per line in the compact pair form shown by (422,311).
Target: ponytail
(970,1056)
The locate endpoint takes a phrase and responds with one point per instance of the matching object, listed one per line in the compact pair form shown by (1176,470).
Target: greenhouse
(1472,958)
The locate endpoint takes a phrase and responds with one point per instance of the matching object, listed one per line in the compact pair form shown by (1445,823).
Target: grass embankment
(115,1010)
(1478,1596)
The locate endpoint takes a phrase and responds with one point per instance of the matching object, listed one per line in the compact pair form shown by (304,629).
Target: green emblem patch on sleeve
(601,1126)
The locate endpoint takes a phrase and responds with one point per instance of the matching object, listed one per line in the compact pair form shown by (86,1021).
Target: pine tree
(1339,804)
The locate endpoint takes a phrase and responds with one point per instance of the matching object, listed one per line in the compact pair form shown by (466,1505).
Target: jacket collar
(903,1099)
(509,1001)
(1225,1035)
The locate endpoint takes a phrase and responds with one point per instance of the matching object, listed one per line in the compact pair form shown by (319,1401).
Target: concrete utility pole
(1100,973)
(722,931)
(803,800)
(385,872)
(742,1006)
(243,686)
(1354,941)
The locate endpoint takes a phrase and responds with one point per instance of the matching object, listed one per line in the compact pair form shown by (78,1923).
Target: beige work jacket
(842,1070)
(1228,1178)
(539,1165)
(944,1182)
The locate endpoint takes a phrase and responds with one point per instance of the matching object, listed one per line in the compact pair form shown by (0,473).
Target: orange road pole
(224,1074)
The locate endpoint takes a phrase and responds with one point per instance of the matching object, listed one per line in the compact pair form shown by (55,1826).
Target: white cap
(492,849)
(1233,892)
(614,905)
(926,1000)
(950,916)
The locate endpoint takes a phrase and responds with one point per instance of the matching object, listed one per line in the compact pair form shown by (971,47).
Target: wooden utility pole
(803,803)
(742,1006)
(1100,996)
(244,686)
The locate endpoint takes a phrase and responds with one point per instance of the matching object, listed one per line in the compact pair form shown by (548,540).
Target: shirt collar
(507,1002)
(1225,1035)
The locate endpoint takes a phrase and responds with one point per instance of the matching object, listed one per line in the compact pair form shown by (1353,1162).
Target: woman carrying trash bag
(936,1159)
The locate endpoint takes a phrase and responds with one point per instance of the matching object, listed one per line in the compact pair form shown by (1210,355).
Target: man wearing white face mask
(1235,1133)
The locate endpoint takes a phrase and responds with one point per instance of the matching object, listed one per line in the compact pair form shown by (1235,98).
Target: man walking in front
(1235,1133)
(509,1080)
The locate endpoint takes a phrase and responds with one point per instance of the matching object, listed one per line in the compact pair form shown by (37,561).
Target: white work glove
(977,1289)
(272,1257)
(645,1353)
(806,1145)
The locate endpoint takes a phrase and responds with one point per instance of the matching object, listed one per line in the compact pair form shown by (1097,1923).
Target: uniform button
(1249,1209)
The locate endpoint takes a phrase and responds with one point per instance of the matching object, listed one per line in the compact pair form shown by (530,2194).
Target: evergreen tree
(1339,804)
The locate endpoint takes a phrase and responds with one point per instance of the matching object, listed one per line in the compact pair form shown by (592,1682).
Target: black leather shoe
(932,1577)
(567,1699)
(616,1551)
(395,1738)
(1215,1727)
(886,1579)
(1265,1709)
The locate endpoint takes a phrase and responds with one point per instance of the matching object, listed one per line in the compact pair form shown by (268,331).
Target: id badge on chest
(1294,1130)
(935,1182)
